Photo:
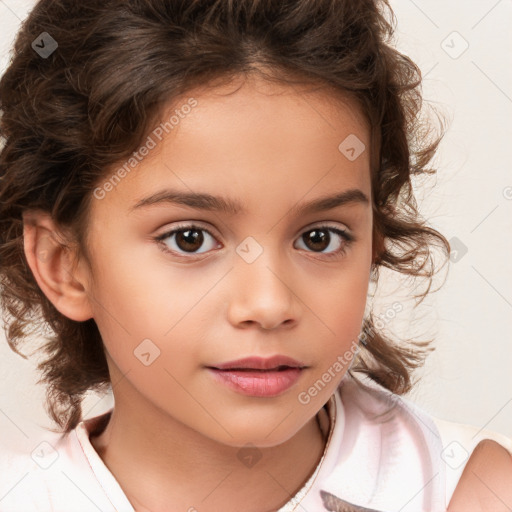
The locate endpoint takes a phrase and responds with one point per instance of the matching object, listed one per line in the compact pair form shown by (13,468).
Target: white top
(383,453)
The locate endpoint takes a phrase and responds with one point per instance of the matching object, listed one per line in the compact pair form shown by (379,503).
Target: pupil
(187,240)
(192,239)
(317,238)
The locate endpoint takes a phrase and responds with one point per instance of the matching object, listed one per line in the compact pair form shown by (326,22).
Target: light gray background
(468,379)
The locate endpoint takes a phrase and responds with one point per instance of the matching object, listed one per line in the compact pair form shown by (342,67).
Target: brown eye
(187,240)
(317,239)
(320,238)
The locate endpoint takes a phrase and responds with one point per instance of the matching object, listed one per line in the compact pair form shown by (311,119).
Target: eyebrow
(204,201)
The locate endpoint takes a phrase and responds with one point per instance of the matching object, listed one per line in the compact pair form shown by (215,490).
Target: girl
(195,196)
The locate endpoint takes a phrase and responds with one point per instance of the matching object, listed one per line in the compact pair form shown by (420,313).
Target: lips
(257,376)
(275,363)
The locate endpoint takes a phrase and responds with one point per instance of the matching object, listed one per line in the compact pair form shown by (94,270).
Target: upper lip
(259,363)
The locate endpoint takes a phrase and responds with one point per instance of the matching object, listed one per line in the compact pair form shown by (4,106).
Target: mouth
(259,377)
(234,369)
(277,363)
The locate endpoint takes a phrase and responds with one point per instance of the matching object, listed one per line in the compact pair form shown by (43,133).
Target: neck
(176,464)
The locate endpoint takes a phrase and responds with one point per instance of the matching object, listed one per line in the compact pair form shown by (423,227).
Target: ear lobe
(52,263)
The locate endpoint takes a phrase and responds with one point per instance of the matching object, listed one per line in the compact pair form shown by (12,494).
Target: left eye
(320,236)
(190,238)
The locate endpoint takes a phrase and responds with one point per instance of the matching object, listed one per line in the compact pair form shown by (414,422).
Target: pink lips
(259,377)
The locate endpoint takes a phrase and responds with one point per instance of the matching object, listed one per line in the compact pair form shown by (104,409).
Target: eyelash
(348,239)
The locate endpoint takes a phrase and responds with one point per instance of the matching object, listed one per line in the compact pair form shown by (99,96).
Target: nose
(261,292)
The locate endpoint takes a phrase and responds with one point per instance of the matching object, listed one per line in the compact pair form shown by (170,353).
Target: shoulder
(21,483)
(449,448)
(486,481)
(465,448)
(48,472)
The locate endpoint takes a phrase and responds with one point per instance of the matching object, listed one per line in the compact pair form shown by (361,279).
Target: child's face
(261,284)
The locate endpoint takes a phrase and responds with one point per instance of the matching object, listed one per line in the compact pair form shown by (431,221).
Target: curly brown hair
(68,116)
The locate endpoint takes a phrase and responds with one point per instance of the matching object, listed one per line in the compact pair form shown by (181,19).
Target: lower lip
(254,383)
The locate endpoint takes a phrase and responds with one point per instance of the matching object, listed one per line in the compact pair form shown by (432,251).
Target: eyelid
(187,224)
(326,224)
(182,226)
(344,233)
(212,232)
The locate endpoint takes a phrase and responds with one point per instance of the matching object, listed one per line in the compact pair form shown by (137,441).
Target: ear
(52,259)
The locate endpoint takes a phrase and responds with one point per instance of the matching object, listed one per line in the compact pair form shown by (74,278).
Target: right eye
(187,238)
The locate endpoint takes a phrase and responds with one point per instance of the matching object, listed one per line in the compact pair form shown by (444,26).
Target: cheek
(340,306)
(342,299)
(133,286)
(145,309)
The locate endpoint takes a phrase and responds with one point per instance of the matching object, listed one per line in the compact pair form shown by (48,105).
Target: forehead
(253,138)
(325,108)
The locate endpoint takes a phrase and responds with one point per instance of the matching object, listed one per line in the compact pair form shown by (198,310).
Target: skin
(271,148)
(485,484)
